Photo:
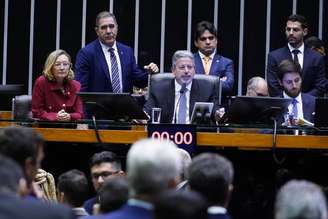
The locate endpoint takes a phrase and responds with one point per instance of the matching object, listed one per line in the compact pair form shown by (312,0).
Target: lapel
(103,62)
(214,65)
(199,64)
(193,95)
(123,62)
(306,61)
(287,54)
(170,100)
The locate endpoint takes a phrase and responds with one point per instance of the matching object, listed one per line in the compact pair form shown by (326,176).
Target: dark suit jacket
(14,207)
(163,96)
(130,212)
(93,74)
(313,72)
(308,102)
(220,67)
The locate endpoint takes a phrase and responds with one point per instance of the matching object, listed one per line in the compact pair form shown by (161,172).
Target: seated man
(177,97)
(257,86)
(303,104)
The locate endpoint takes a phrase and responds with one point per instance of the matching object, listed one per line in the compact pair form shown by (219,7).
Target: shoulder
(123,47)
(224,59)
(41,80)
(91,47)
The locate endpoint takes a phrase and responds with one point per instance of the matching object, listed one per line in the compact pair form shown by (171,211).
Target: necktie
(182,106)
(116,83)
(295,52)
(207,64)
(295,111)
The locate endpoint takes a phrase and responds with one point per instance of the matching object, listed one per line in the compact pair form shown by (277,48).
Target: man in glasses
(103,166)
(257,86)
(106,65)
(207,61)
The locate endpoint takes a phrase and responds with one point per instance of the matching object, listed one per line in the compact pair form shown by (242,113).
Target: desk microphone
(182,91)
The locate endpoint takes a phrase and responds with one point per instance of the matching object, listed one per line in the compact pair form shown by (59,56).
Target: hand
(224,78)
(63,116)
(219,113)
(152,68)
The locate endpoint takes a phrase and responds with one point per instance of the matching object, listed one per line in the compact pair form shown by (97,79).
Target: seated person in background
(207,61)
(54,94)
(256,87)
(73,190)
(177,97)
(303,104)
(316,44)
(300,199)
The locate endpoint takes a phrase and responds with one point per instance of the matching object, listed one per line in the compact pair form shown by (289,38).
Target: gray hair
(104,14)
(300,199)
(151,164)
(181,54)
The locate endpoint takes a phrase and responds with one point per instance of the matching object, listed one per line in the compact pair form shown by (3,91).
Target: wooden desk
(239,140)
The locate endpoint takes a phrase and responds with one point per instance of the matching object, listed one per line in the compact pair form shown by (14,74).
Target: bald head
(257,86)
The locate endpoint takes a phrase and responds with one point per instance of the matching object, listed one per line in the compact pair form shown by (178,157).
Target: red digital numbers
(178,137)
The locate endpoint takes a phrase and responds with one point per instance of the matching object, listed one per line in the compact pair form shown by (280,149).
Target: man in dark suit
(207,61)
(105,65)
(168,95)
(303,104)
(13,183)
(311,62)
(211,175)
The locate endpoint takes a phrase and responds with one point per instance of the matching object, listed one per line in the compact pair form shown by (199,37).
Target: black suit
(12,207)
(162,95)
(313,71)
(308,103)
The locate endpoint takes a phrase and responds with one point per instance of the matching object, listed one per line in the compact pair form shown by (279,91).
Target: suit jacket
(14,207)
(220,67)
(313,71)
(308,102)
(130,212)
(163,96)
(93,74)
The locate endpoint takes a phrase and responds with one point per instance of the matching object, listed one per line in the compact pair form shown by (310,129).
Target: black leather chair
(22,107)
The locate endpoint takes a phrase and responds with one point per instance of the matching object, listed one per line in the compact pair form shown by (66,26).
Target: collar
(140,203)
(216,210)
(105,47)
(211,56)
(298,98)
(178,86)
(301,48)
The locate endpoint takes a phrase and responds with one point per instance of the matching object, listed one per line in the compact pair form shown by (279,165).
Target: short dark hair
(10,174)
(211,175)
(180,204)
(113,194)
(201,27)
(74,184)
(20,143)
(105,157)
(287,66)
(314,42)
(298,18)
(104,14)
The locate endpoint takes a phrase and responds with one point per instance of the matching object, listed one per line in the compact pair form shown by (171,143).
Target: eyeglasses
(103,174)
(104,27)
(64,64)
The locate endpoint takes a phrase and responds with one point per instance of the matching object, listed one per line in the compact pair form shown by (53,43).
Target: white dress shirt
(300,55)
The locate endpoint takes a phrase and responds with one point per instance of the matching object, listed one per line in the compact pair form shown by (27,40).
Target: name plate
(184,136)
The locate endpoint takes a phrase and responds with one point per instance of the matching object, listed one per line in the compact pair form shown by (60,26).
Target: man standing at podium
(177,97)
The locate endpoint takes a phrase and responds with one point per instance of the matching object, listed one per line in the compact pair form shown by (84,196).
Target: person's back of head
(10,175)
(113,194)
(180,205)
(185,162)
(25,146)
(152,167)
(211,175)
(316,44)
(72,188)
(257,86)
(300,199)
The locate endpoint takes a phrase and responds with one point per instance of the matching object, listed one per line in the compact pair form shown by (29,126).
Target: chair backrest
(22,107)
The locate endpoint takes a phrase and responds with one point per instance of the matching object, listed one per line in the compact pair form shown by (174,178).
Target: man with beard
(106,65)
(303,105)
(311,63)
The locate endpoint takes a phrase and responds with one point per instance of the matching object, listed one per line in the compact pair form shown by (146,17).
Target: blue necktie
(295,111)
(116,83)
(182,106)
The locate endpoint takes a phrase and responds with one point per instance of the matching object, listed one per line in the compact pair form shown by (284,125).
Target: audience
(211,175)
(300,199)
(72,187)
(185,162)
(54,94)
(103,166)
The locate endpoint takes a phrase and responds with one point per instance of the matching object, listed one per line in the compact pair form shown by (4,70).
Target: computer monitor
(7,93)
(321,115)
(111,106)
(256,110)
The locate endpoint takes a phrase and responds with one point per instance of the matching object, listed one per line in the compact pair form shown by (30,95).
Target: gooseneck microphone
(182,91)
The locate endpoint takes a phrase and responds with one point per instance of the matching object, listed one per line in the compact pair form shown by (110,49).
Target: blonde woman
(54,94)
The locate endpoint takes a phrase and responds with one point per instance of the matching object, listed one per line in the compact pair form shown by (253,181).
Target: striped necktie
(116,82)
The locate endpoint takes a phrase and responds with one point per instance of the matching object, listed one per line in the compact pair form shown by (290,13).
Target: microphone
(182,91)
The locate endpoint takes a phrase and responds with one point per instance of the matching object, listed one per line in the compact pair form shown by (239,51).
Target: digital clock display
(184,136)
